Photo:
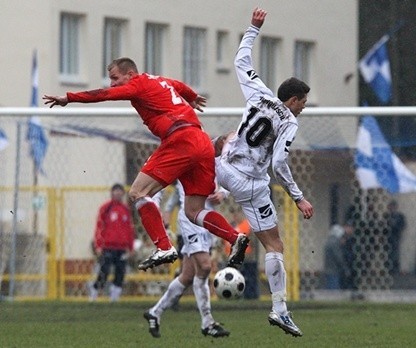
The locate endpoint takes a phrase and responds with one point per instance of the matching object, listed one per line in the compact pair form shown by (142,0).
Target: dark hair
(117,187)
(123,64)
(292,87)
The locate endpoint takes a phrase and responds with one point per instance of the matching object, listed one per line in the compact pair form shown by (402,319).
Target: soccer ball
(229,283)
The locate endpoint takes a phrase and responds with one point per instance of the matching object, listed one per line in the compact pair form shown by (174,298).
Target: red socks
(211,220)
(153,224)
(218,225)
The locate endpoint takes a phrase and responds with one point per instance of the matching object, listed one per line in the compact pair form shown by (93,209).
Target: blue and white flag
(35,133)
(375,69)
(377,166)
(4,142)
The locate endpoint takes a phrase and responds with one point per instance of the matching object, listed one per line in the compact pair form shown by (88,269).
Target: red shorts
(188,155)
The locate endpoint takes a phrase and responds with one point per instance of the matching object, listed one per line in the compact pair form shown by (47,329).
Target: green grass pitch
(89,325)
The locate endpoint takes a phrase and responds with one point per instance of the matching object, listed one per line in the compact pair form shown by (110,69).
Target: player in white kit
(264,136)
(196,268)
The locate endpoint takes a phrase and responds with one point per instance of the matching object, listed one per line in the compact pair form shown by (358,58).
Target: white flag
(375,69)
(376,164)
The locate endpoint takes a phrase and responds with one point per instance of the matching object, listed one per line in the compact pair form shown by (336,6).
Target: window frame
(70,47)
(195,57)
(113,43)
(155,41)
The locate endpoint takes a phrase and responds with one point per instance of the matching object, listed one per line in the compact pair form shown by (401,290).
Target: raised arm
(251,85)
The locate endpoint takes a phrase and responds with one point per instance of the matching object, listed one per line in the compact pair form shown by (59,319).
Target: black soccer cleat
(153,324)
(238,250)
(215,330)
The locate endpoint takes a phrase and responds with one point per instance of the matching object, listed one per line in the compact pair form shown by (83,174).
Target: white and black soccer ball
(229,283)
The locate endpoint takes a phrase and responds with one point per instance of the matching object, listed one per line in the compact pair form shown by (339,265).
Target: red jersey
(114,229)
(162,103)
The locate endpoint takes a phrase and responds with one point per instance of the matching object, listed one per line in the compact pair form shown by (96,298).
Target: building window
(223,56)
(113,41)
(155,41)
(70,50)
(194,64)
(268,61)
(303,58)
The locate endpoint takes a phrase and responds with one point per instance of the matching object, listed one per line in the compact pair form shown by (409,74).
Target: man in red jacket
(113,242)
(166,107)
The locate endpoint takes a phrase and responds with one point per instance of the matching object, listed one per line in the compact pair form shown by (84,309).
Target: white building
(194,41)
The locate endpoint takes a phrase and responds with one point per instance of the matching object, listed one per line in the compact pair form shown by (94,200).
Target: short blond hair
(123,64)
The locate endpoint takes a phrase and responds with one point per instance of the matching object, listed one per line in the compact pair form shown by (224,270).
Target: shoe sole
(167,259)
(217,336)
(224,334)
(238,258)
(285,328)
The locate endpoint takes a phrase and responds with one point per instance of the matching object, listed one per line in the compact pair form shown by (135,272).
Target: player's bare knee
(204,270)
(191,214)
(186,280)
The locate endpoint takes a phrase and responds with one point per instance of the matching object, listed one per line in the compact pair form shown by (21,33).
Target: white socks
(276,275)
(202,295)
(170,297)
(115,293)
(175,291)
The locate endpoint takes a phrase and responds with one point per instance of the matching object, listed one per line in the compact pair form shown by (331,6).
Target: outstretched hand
(199,103)
(258,17)
(55,100)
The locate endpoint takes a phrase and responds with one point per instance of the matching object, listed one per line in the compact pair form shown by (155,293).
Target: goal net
(47,218)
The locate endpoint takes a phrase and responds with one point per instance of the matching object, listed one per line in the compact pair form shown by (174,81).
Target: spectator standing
(396,223)
(349,276)
(113,242)
(335,265)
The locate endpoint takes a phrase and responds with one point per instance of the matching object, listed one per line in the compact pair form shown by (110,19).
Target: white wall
(331,25)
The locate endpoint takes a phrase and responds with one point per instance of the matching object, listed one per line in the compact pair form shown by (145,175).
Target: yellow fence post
(293,221)
(52,255)
(61,239)
(290,236)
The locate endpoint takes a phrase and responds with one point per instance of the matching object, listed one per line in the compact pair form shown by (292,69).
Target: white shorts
(252,194)
(195,238)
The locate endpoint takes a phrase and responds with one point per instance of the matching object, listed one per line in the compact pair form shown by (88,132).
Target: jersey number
(258,131)
(175,98)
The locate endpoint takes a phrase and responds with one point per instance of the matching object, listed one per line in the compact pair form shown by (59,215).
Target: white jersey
(267,129)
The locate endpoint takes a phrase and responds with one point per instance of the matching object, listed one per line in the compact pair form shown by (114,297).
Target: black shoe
(153,324)
(159,257)
(215,330)
(238,250)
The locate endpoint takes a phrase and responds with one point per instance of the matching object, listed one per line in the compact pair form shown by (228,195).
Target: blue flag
(35,132)
(375,69)
(4,142)
(377,166)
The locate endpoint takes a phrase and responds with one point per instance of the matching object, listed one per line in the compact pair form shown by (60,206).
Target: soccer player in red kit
(166,107)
